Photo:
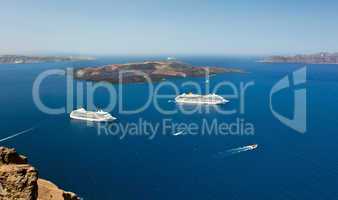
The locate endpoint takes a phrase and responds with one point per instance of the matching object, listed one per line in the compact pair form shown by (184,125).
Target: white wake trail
(178,133)
(17,134)
(233,151)
(239,149)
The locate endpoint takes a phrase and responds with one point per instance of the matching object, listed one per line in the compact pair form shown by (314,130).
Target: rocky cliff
(19,180)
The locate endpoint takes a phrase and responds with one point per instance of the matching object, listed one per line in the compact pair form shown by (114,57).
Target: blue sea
(286,165)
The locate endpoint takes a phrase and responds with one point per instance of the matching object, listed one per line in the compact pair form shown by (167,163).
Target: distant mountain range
(318,58)
(20,59)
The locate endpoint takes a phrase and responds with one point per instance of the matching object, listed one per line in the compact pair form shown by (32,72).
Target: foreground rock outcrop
(19,180)
(48,191)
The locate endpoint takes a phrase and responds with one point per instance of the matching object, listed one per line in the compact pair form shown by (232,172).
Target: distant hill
(155,70)
(19,59)
(318,58)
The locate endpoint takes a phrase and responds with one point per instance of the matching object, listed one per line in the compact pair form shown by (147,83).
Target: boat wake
(237,150)
(178,133)
(17,134)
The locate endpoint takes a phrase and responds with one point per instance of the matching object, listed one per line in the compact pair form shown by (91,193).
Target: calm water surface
(287,165)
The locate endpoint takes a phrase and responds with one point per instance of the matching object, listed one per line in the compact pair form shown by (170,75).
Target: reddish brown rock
(19,180)
(9,156)
(49,191)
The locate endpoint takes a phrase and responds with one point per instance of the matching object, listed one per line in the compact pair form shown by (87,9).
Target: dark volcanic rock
(152,70)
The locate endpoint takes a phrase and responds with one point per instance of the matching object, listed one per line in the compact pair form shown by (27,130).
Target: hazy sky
(168,27)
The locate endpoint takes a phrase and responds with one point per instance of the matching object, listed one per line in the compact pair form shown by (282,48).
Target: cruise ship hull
(92,119)
(210,99)
(199,102)
(100,116)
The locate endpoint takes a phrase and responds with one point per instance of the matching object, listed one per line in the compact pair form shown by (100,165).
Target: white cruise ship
(190,98)
(99,116)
